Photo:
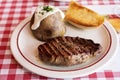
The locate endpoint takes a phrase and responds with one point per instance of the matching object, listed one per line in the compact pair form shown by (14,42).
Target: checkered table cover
(12,12)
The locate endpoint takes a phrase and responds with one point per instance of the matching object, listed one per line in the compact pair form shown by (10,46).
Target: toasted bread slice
(115,23)
(81,16)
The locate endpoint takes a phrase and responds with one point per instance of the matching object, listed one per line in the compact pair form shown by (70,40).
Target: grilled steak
(66,51)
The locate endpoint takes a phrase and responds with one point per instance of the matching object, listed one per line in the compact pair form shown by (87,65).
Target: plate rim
(20,51)
(59,73)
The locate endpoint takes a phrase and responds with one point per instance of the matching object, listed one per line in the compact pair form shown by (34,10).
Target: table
(12,13)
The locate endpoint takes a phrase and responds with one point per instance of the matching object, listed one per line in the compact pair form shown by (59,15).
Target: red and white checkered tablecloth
(12,12)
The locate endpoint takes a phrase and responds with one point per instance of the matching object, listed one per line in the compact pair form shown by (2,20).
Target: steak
(66,51)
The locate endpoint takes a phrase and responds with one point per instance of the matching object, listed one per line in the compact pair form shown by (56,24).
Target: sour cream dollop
(42,12)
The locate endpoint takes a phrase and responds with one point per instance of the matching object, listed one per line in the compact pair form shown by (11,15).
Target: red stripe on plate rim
(62,70)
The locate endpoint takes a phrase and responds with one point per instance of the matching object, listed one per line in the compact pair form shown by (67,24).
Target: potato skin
(50,27)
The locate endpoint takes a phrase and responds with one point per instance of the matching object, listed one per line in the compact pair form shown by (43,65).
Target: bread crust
(115,23)
(83,16)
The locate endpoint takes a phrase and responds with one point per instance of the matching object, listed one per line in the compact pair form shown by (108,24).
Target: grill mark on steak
(69,39)
(62,51)
(57,48)
(60,39)
(52,49)
(65,45)
(68,50)
(68,46)
(75,49)
(46,52)
(40,49)
(84,45)
(81,41)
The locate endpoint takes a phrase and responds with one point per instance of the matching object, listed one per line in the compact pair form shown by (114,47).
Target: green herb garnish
(47,8)
(41,13)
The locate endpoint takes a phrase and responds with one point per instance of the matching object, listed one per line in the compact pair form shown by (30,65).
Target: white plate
(24,48)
